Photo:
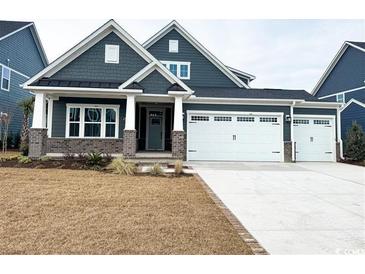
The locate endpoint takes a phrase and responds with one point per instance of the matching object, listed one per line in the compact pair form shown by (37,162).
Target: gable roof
(357,45)
(8,28)
(92,39)
(243,74)
(214,60)
(361,104)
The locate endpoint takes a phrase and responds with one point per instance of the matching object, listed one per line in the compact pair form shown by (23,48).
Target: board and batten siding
(59,112)
(91,66)
(202,71)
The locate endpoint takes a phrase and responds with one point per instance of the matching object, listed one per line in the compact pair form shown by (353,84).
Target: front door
(155,134)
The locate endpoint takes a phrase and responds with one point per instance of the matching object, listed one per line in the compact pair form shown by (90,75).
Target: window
(5,78)
(301,121)
(112,54)
(245,119)
(268,119)
(321,122)
(222,118)
(199,118)
(178,68)
(340,98)
(174,46)
(92,121)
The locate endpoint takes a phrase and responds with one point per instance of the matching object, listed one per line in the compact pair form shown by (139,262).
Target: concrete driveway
(302,208)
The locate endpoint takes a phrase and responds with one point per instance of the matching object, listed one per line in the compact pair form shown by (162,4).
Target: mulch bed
(59,164)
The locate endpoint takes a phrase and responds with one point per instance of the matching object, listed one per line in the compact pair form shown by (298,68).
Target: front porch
(136,126)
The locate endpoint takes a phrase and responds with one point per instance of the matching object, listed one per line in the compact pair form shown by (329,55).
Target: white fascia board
(244,74)
(350,102)
(330,67)
(214,100)
(139,75)
(175,25)
(356,47)
(15,31)
(87,43)
(318,104)
(341,92)
(38,89)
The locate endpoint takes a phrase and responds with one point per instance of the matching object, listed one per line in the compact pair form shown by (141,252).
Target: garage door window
(321,122)
(268,119)
(301,121)
(199,118)
(245,119)
(222,118)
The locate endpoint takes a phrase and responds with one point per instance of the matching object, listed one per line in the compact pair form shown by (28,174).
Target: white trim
(178,68)
(248,76)
(334,123)
(350,102)
(15,71)
(2,78)
(333,64)
(292,132)
(39,112)
(108,59)
(77,89)
(49,117)
(15,31)
(174,46)
(130,114)
(148,109)
(340,92)
(175,25)
(339,137)
(82,107)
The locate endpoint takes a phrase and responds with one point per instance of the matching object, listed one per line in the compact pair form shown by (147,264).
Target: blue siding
(91,64)
(357,94)
(202,71)
(59,112)
(348,73)
(155,83)
(208,107)
(352,113)
(23,53)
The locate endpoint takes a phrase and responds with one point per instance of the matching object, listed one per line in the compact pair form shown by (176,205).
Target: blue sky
(289,54)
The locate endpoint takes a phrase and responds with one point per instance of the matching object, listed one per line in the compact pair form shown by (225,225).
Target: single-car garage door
(314,138)
(238,136)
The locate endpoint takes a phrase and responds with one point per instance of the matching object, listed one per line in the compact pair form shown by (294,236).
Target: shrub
(156,170)
(94,159)
(24,159)
(24,149)
(178,167)
(355,143)
(107,157)
(44,159)
(123,167)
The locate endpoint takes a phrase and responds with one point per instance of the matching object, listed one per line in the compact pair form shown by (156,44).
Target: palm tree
(27,106)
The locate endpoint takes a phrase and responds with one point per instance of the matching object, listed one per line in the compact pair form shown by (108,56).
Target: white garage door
(235,136)
(314,138)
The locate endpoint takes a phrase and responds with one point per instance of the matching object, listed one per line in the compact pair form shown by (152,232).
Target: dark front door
(155,134)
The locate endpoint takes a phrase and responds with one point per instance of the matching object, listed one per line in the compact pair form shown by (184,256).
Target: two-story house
(344,82)
(21,56)
(112,94)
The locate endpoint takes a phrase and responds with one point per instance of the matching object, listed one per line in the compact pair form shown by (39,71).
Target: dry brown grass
(52,211)
(9,154)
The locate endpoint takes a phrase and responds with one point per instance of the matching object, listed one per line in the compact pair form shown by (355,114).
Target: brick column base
(37,142)
(129,143)
(178,145)
(288,146)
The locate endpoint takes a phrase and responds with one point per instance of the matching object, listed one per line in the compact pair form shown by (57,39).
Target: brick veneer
(178,144)
(129,143)
(69,145)
(37,142)
(288,146)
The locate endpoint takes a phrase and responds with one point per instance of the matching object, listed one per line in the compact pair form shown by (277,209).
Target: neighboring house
(110,93)
(21,56)
(344,82)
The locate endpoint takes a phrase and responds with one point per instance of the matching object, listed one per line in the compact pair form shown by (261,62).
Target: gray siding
(91,64)
(352,113)
(358,95)
(348,73)
(283,109)
(59,112)
(155,83)
(202,71)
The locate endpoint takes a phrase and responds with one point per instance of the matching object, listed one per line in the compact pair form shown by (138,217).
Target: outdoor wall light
(287,118)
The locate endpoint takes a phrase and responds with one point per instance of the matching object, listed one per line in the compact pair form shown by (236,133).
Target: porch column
(130,133)
(178,134)
(38,132)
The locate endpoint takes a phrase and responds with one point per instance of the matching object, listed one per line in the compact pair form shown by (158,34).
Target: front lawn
(56,211)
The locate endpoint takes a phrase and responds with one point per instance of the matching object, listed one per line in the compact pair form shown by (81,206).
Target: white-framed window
(174,46)
(5,78)
(178,68)
(112,54)
(268,119)
(340,98)
(199,118)
(245,119)
(92,121)
(222,118)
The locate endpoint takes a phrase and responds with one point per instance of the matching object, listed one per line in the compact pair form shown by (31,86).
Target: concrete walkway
(303,208)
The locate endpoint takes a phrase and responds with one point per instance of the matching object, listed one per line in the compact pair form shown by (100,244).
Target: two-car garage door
(235,136)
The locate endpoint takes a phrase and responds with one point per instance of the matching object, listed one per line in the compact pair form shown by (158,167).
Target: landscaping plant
(123,167)
(178,167)
(355,143)
(156,170)
(94,159)
(27,106)
(24,159)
